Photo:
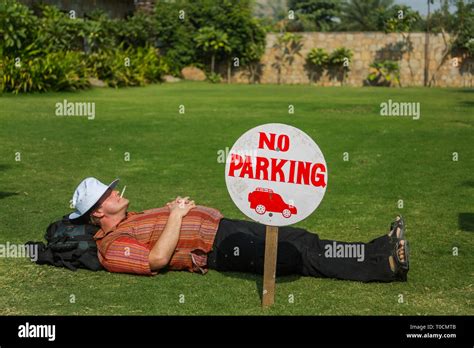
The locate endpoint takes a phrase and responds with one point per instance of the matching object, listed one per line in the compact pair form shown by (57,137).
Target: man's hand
(180,206)
(160,254)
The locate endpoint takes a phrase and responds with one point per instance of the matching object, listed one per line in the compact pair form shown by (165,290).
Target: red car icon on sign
(264,199)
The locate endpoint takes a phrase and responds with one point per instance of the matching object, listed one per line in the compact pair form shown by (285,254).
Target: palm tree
(361,15)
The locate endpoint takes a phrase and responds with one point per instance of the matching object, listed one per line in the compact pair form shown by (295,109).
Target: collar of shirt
(102,233)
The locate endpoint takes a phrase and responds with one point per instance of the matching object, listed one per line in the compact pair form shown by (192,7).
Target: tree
(363,15)
(316,15)
(213,42)
(402,19)
(251,60)
(460,27)
(464,28)
(246,36)
(175,34)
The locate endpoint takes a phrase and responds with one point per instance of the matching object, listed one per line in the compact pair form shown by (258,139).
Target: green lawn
(390,158)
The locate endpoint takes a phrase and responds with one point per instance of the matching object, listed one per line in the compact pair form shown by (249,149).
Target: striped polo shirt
(126,247)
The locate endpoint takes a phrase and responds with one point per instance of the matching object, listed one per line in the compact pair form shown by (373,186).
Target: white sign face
(276,174)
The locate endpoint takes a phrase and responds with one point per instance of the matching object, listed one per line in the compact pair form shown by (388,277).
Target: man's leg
(240,247)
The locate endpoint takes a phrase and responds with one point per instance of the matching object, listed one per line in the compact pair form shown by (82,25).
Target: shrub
(340,56)
(54,71)
(129,67)
(214,77)
(175,36)
(57,32)
(16,27)
(339,62)
(33,39)
(139,30)
(317,60)
(384,73)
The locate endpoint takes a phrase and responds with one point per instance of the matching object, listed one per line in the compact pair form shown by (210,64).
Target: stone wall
(366,47)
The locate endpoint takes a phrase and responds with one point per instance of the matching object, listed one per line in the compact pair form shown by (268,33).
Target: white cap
(88,193)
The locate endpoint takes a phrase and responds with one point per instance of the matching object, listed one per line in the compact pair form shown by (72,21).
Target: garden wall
(366,47)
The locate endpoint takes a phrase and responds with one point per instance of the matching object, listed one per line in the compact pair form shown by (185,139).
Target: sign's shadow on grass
(466,222)
(258,278)
(7,194)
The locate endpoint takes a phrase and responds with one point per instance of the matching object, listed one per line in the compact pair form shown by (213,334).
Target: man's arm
(161,253)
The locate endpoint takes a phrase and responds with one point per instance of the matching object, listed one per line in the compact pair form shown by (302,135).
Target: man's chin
(125,204)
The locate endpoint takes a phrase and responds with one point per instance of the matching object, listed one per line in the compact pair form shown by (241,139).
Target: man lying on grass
(185,236)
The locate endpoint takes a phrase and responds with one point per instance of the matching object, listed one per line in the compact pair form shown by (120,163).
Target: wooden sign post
(269,268)
(276,175)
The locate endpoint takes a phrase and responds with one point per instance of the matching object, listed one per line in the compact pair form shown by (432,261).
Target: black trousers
(240,247)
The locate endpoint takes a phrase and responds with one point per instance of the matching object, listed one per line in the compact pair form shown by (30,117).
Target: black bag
(69,245)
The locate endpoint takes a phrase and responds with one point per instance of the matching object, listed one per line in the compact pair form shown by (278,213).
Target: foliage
(99,32)
(176,36)
(363,15)
(384,73)
(63,52)
(318,57)
(57,32)
(214,78)
(55,71)
(317,60)
(139,30)
(212,41)
(315,15)
(339,62)
(460,26)
(288,46)
(400,19)
(127,67)
(16,21)
(465,28)
(251,60)
(442,19)
(341,57)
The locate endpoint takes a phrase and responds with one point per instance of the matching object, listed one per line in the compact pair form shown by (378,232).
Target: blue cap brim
(77,214)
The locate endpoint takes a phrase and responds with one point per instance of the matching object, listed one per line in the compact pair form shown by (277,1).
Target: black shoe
(401,266)
(398,223)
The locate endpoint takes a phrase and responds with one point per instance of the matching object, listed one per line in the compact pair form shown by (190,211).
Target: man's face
(112,204)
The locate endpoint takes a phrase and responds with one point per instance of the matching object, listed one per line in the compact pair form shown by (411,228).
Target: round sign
(276,174)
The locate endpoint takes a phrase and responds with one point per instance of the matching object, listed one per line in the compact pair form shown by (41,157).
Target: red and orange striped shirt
(126,247)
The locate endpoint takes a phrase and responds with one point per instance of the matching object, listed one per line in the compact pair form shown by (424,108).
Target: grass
(390,158)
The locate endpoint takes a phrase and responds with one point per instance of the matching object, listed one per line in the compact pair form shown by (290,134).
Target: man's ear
(98,213)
